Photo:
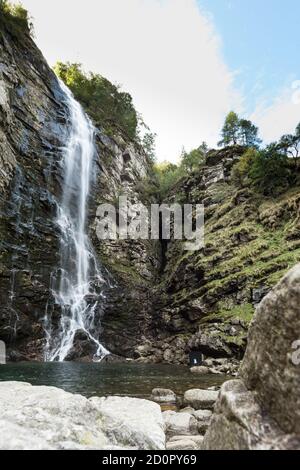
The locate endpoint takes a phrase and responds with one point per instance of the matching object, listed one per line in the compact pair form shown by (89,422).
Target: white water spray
(79,274)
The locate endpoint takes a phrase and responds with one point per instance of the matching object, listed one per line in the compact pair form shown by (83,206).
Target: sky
(186,63)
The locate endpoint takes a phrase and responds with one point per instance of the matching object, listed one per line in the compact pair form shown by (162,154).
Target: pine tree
(248,134)
(230,131)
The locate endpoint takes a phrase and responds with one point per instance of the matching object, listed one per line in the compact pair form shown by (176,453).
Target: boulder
(261,410)
(200,399)
(268,367)
(239,423)
(47,418)
(163,395)
(180,424)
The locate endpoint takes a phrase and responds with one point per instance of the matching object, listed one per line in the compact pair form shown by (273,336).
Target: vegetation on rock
(15,17)
(109,107)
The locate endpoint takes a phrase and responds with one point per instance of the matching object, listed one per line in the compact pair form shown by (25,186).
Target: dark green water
(108,379)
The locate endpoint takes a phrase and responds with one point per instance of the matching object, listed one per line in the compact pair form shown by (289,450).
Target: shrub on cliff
(290,145)
(241,170)
(15,17)
(192,161)
(167,174)
(269,172)
(108,106)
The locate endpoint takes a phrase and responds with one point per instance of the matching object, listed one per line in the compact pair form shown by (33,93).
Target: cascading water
(76,292)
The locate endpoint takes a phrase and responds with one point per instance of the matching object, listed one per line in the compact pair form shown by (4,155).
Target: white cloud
(166,53)
(281,116)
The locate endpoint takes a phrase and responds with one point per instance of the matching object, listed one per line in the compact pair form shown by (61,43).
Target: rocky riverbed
(259,410)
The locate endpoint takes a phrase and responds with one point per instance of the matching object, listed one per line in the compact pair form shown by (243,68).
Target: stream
(96,379)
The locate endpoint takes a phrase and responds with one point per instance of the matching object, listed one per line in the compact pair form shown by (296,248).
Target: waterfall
(75,286)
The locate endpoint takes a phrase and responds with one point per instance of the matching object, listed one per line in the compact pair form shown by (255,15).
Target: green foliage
(269,171)
(230,131)
(149,146)
(239,131)
(248,134)
(195,159)
(290,145)
(108,106)
(241,170)
(168,175)
(15,17)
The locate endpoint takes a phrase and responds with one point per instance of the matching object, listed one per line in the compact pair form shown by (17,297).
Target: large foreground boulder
(38,418)
(262,409)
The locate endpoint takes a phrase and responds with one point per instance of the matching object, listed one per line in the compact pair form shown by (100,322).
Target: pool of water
(108,379)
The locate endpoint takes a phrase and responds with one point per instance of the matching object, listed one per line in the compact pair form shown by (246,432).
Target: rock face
(262,409)
(206,299)
(47,418)
(34,124)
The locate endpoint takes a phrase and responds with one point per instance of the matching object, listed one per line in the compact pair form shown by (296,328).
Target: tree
(108,106)
(149,145)
(16,17)
(248,134)
(241,170)
(239,131)
(193,160)
(168,174)
(230,131)
(269,171)
(290,145)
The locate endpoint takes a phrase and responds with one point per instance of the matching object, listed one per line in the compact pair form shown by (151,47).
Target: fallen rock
(47,418)
(180,424)
(200,399)
(262,410)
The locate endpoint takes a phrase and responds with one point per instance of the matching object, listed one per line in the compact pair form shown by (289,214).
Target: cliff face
(133,264)
(34,126)
(206,299)
(32,131)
